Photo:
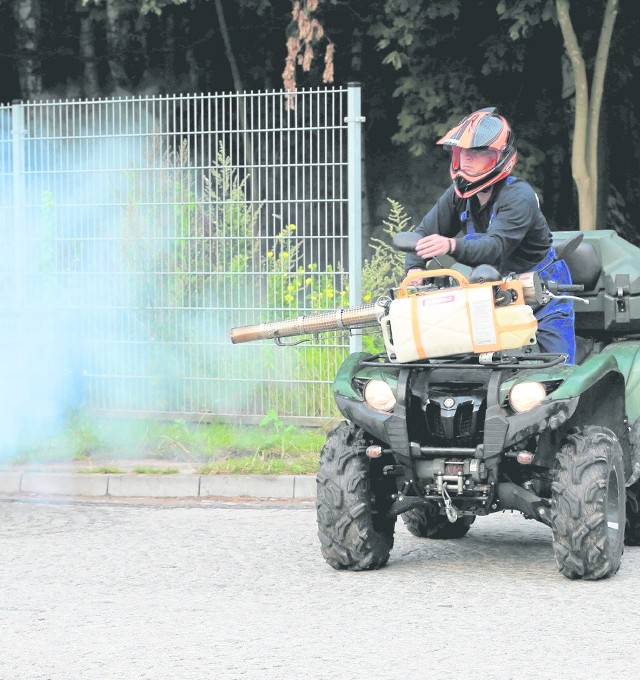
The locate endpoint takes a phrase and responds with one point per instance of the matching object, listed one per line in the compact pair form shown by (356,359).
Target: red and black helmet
(483,129)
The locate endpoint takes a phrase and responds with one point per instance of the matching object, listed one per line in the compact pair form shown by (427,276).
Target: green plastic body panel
(627,355)
(609,267)
(350,368)
(586,375)
(342,382)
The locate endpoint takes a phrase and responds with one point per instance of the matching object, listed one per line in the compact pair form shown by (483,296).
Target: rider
(487,216)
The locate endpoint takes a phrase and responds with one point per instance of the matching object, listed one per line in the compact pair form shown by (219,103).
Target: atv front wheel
(588,505)
(353,500)
(425,522)
(632,531)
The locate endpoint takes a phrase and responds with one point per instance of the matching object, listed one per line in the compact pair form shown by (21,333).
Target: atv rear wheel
(632,530)
(352,502)
(425,522)
(588,505)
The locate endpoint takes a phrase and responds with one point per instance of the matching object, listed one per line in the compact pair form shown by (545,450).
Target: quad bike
(462,416)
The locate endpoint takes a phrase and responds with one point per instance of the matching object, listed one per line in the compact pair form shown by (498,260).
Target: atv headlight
(379,395)
(526,395)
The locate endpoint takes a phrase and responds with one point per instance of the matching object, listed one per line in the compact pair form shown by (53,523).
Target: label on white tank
(482,319)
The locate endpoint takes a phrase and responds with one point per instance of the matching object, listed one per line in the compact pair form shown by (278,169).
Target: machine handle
(430,274)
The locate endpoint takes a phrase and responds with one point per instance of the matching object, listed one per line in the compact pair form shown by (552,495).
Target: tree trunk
(241,103)
(579,166)
(601,203)
(584,156)
(87,48)
(235,73)
(597,89)
(170,67)
(116,42)
(27,15)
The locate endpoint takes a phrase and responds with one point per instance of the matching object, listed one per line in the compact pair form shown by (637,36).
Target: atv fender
(627,355)
(342,382)
(561,405)
(603,404)
(586,375)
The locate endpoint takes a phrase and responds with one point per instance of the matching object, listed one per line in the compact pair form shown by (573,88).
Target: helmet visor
(473,162)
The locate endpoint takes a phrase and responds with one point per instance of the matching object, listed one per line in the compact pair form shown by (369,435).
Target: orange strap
(415,324)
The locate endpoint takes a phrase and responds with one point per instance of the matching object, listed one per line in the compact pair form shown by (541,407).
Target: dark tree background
(423,65)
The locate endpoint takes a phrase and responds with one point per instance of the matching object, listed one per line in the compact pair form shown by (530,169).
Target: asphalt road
(179,591)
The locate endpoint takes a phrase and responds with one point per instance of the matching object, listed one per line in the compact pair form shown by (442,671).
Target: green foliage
(271,447)
(294,288)
(422,45)
(304,463)
(143,6)
(232,218)
(285,275)
(385,269)
(276,432)
(446,56)
(188,246)
(102,470)
(524,15)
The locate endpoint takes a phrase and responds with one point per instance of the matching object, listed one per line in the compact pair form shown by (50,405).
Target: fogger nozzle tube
(340,319)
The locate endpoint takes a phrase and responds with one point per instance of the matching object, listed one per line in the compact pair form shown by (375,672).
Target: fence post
(18,171)
(354,199)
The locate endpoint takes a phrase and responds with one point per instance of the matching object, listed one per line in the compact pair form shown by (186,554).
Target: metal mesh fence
(136,232)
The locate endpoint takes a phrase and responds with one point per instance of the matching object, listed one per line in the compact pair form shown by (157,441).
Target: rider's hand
(434,245)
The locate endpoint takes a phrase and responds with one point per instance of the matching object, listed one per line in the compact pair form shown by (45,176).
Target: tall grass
(106,443)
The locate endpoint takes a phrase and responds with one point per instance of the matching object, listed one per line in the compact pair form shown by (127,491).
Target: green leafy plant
(102,470)
(152,470)
(276,430)
(188,235)
(385,269)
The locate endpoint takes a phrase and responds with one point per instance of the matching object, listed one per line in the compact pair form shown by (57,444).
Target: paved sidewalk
(76,479)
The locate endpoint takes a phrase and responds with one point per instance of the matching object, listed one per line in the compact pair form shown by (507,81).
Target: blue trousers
(556,319)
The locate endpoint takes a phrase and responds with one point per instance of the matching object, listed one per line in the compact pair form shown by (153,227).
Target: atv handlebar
(554,287)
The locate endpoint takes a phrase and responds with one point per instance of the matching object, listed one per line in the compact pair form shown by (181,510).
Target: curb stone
(157,486)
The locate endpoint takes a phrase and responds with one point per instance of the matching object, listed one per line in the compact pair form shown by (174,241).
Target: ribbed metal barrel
(351,317)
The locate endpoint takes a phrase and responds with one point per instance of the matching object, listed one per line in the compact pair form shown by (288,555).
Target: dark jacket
(511,233)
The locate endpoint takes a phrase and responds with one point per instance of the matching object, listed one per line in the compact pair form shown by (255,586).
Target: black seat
(584,265)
